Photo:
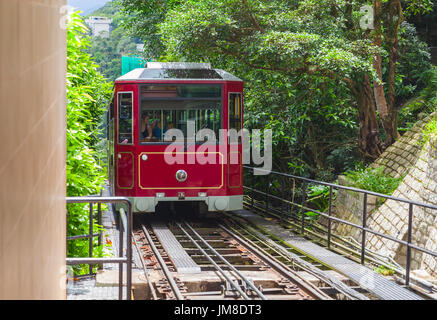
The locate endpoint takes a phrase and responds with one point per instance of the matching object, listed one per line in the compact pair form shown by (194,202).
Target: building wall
(32,149)
(100,26)
(101,29)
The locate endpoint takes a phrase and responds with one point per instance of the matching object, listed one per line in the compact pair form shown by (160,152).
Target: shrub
(318,196)
(373,179)
(87,94)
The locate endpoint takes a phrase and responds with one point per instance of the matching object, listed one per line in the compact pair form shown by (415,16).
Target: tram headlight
(181,175)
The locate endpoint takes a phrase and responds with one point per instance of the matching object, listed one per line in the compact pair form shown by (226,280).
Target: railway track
(345,247)
(233,261)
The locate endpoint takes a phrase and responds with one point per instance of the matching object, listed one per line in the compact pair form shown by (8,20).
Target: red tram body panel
(148,165)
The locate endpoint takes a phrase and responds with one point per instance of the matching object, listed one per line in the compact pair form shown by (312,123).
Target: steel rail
(164,267)
(342,249)
(250,284)
(222,272)
(278,267)
(308,267)
(353,249)
(269,246)
(149,282)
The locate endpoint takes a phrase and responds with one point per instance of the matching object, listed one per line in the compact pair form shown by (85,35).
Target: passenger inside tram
(157,129)
(146,128)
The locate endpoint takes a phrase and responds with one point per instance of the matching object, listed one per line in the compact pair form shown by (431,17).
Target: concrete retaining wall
(419,165)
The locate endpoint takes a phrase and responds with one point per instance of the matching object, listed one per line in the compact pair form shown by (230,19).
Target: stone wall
(349,206)
(418,163)
(430,196)
(392,217)
(402,156)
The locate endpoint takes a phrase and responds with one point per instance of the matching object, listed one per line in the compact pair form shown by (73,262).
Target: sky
(87,6)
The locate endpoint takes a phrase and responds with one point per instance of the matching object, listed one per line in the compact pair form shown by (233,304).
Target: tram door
(124,150)
(235,124)
(110,135)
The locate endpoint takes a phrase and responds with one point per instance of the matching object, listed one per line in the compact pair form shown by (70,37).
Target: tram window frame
(219,100)
(131,119)
(110,116)
(231,104)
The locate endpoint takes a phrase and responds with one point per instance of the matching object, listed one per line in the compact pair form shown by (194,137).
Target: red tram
(150,166)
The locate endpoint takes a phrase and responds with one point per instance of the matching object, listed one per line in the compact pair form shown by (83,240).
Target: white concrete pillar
(32,149)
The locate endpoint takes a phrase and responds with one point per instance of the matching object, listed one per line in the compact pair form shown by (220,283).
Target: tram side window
(125,134)
(235,111)
(160,116)
(109,117)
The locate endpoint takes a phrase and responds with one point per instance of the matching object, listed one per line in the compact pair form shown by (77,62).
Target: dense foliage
(427,26)
(107,51)
(429,96)
(312,72)
(87,95)
(422,104)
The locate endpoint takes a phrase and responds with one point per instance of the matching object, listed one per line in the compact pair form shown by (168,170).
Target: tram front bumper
(214,203)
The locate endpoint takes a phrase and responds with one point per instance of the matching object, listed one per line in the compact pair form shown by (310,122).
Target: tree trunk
(368,136)
(394,21)
(386,105)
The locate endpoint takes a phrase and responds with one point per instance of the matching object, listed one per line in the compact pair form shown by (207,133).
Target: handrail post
(303,204)
(267,193)
(129,251)
(410,226)
(120,254)
(290,198)
(329,218)
(253,187)
(90,239)
(100,223)
(363,233)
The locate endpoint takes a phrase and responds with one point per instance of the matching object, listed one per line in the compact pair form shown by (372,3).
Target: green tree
(388,18)
(107,51)
(319,38)
(311,69)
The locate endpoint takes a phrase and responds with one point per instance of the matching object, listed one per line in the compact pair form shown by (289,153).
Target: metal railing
(267,195)
(125,226)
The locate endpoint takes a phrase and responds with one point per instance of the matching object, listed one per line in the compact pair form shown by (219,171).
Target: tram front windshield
(165,107)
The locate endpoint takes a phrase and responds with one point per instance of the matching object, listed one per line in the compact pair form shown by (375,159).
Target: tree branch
(252,17)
